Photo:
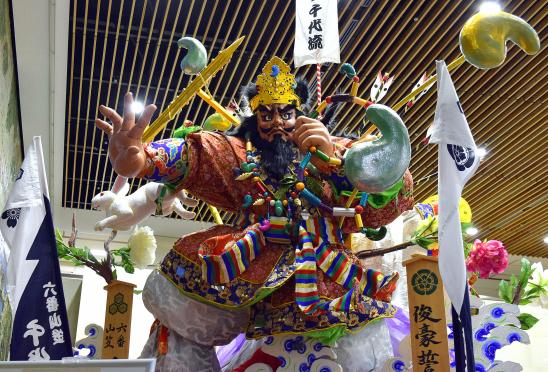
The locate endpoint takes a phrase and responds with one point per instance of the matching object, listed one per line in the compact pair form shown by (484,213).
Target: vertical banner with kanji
(117,320)
(316,32)
(40,323)
(429,342)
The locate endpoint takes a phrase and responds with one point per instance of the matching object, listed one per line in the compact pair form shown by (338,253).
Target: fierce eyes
(283,115)
(287,115)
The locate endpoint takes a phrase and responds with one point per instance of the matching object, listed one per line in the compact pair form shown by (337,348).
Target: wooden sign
(427,315)
(117,320)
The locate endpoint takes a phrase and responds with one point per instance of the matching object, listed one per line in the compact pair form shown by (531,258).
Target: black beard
(276,156)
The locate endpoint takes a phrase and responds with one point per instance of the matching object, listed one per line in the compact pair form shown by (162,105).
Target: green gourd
(377,165)
(196,57)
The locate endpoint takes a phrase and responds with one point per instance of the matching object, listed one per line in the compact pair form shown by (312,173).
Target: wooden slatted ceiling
(132,45)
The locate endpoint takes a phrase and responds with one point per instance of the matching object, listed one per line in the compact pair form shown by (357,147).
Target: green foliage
(525,295)
(285,184)
(77,256)
(183,131)
(527,321)
(424,242)
(83,257)
(426,234)
(281,192)
(125,260)
(314,186)
(505,291)
(467,248)
(517,291)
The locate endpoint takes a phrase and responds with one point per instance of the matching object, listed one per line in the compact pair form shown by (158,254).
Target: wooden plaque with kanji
(117,320)
(427,315)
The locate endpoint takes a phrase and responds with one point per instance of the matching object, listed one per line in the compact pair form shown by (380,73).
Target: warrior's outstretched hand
(125,145)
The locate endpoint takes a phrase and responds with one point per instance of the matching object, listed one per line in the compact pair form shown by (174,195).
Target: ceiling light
(471,231)
(490,7)
(481,151)
(137,107)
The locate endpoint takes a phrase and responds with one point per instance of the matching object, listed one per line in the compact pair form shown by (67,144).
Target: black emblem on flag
(11,216)
(463,156)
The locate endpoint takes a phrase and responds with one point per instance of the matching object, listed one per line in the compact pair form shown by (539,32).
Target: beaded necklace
(296,191)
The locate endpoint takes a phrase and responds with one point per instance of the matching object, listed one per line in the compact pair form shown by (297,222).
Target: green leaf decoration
(533,290)
(527,321)
(381,199)
(525,272)
(505,291)
(467,249)
(83,257)
(74,261)
(281,192)
(58,235)
(314,186)
(424,228)
(424,242)
(183,131)
(129,268)
(288,180)
(513,281)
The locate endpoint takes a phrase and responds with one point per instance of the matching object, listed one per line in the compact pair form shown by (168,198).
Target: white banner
(457,162)
(316,32)
(40,324)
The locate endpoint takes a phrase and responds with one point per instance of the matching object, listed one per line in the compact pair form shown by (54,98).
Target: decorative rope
(319,82)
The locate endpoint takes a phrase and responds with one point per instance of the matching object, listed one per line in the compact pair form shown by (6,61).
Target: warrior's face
(276,119)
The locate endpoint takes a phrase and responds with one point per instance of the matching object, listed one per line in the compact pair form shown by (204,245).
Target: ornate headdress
(275,85)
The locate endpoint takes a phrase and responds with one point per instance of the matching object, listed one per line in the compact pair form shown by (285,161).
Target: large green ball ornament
(377,165)
(196,58)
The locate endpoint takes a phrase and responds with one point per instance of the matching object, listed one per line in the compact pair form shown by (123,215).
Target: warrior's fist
(125,146)
(311,132)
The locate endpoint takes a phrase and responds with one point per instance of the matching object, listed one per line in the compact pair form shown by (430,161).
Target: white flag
(40,323)
(316,32)
(457,162)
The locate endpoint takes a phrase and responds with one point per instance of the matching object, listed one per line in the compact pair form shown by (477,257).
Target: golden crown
(275,85)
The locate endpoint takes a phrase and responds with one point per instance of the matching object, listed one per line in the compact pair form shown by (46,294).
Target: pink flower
(487,258)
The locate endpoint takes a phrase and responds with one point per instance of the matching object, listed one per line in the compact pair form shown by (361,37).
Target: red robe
(267,284)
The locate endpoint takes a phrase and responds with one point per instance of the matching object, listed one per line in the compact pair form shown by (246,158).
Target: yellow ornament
(275,85)
(465,212)
(483,38)
(217,122)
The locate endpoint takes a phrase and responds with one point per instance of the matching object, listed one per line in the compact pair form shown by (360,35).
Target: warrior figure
(282,268)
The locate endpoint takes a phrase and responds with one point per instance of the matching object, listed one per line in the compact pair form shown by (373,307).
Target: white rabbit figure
(124,211)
